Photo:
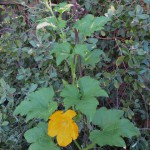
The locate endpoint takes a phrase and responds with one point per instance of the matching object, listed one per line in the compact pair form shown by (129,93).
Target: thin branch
(109,38)
(121,55)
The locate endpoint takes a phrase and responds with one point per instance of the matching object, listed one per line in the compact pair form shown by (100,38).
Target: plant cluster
(76,76)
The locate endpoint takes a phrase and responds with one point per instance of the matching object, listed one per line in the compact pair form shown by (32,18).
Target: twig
(121,55)
(109,38)
(117,100)
(147,110)
(145,129)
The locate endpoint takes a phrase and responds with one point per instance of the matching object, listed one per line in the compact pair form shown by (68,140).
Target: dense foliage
(118,61)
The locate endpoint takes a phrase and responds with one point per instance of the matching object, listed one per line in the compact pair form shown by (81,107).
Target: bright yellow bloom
(62,126)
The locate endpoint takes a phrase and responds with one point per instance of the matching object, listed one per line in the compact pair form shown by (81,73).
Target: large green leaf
(62,52)
(39,104)
(83,97)
(71,96)
(113,128)
(90,87)
(89,90)
(89,24)
(87,106)
(39,139)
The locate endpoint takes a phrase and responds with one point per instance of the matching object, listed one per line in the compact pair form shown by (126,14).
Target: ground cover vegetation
(75,75)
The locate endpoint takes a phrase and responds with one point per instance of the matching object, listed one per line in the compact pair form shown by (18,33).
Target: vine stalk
(49,7)
(76,15)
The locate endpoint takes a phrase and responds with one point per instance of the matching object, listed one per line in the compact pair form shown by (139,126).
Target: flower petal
(57,115)
(74,131)
(54,123)
(64,139)
(62,126)
(53,128)
(69,114)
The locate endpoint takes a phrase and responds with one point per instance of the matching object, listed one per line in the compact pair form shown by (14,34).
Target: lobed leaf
(39,139)
(113,128)
(39,104)
(83,97)
(71,96)
(90,87)
(87,106)
(62,52)
(89,24)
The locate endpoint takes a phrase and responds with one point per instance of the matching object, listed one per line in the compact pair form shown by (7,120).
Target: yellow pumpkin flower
(63,127)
